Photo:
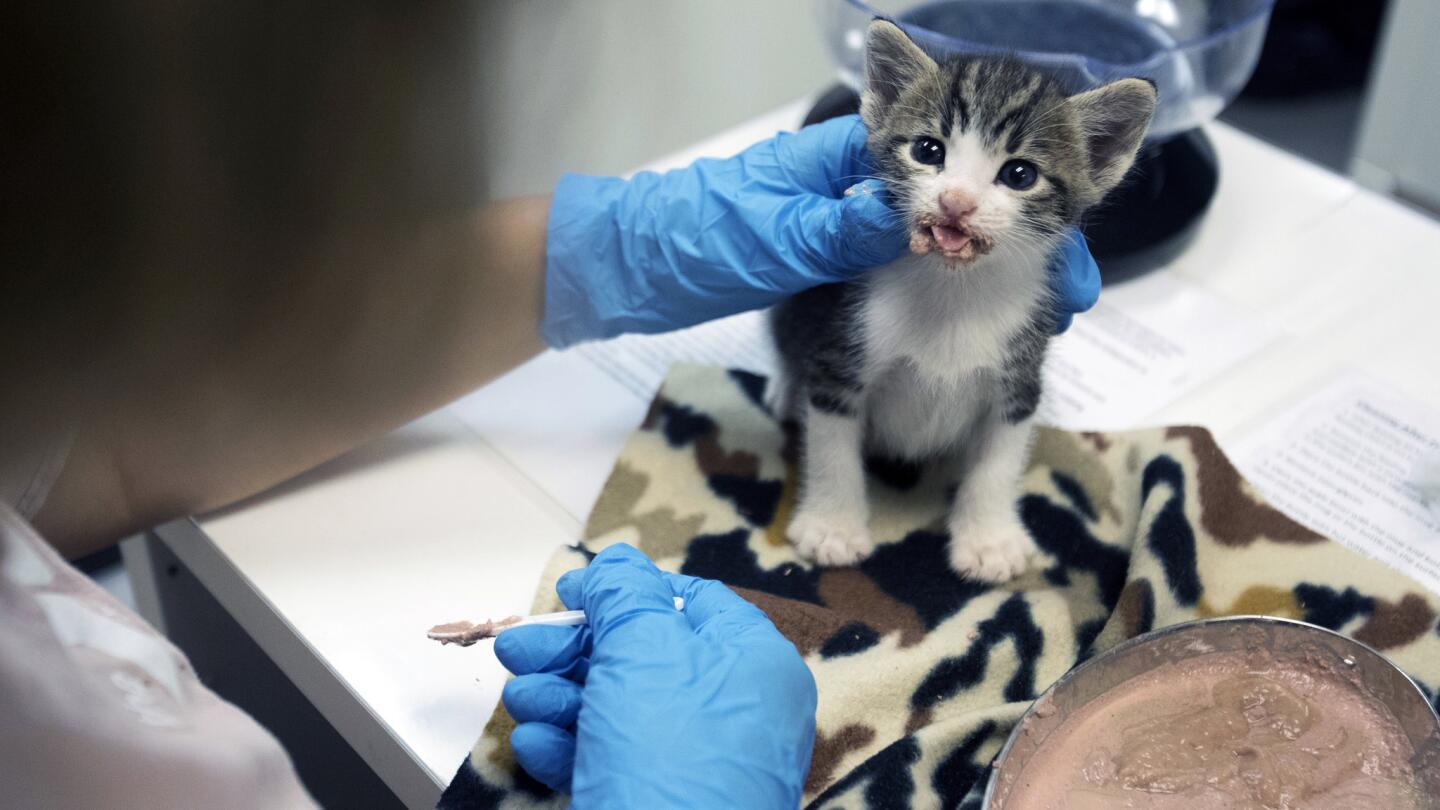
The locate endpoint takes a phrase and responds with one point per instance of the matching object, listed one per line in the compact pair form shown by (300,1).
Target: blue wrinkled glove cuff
(581,235)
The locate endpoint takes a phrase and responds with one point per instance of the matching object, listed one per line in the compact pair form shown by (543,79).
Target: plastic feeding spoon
(466,633)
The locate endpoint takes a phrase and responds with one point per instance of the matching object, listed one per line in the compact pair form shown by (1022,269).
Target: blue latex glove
(1076,278)
(664,251)
(653,707)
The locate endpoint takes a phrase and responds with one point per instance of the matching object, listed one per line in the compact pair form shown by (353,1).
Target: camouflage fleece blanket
(922,674)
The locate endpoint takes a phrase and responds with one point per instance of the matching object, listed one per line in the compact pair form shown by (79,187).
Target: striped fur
(938,355)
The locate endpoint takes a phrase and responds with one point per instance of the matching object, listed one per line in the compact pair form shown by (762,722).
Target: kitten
(938,355)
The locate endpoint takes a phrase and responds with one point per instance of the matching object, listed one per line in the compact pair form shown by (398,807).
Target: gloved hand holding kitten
(664,251)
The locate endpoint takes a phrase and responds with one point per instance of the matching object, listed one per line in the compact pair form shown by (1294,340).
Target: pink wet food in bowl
(1248,712)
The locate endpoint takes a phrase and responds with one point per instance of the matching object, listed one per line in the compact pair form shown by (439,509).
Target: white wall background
(1399,149)
(601,86)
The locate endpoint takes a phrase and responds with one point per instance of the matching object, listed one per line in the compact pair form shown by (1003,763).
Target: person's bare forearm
(284,247)
(378,326)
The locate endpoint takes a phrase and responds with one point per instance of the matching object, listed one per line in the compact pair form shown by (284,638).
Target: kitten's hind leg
(830,525)
(987,539)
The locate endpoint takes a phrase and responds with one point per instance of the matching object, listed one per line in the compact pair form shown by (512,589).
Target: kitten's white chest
(934,343)
(948,327)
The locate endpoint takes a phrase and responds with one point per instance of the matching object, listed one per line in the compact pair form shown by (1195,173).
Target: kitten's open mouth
(948,238)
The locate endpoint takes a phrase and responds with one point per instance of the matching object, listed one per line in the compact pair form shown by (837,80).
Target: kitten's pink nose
(956,204)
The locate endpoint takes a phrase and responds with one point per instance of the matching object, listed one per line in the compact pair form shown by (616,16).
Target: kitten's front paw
(830,539)
(994,551)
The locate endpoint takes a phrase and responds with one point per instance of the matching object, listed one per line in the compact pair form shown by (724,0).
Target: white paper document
(562,418)
(1146,344)
(1359,463)
(639,362)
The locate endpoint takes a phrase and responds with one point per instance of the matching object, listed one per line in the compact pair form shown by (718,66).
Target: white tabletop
(339,573)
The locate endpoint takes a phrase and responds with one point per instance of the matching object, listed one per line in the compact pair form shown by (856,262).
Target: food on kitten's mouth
(948,238)
(466,633)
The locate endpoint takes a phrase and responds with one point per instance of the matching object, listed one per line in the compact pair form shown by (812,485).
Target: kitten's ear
(892,62)
(1114,118)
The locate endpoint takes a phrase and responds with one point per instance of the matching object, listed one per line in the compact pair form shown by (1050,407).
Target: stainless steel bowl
(1283,637)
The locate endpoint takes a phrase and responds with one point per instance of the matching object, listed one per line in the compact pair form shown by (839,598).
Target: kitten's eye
(927,150)
(1018,174)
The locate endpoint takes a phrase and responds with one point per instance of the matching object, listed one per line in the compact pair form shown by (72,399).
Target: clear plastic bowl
(1199,53)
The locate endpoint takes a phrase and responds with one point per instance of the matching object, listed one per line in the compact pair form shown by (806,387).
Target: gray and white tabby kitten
(938,355)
